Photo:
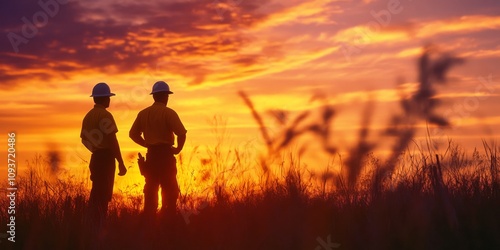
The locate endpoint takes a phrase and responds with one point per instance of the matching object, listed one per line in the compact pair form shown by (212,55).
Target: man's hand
(175,150)
(181,139)
(122,168)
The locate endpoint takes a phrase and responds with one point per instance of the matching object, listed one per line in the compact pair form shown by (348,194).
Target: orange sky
(280,52)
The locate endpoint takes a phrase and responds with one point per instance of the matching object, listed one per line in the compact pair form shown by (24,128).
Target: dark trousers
(102,175)
(161,171)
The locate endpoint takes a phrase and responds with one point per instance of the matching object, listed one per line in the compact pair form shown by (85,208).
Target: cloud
(464,24)
(306,12)
(124,37)
(205,43)
(211,43)
(371,33)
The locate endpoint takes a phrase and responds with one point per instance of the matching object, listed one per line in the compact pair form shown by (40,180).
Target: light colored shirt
(158,123)
(96,126)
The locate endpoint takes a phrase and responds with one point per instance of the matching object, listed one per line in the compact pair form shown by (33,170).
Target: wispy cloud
(370,35)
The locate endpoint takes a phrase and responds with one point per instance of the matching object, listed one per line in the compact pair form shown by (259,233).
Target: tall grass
(450,205)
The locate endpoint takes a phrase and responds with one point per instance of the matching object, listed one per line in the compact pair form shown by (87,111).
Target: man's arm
(135,134)
(137,138)
(181,139)
(87,144)
(118,155)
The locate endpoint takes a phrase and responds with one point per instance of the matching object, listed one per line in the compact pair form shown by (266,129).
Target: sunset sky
(279,52)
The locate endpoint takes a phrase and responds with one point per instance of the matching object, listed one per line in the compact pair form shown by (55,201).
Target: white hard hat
(161,86)
(100,90)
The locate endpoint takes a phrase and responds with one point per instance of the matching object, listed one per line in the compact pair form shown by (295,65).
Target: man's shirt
(96,126)
(158,123)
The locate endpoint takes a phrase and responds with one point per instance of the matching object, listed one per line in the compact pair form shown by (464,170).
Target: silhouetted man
(99,136)
(158,124)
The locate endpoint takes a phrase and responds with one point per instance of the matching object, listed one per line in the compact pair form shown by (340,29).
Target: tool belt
(141,161)
(144,167)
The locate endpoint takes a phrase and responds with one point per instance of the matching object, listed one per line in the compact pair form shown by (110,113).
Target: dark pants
(161,171)
(102,174)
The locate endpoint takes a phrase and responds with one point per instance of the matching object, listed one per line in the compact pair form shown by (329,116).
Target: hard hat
(161,86)
(101,89)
